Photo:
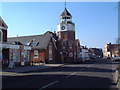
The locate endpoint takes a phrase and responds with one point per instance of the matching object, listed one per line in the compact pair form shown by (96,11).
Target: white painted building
(84,54)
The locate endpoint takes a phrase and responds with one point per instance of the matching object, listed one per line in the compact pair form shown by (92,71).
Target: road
(91,74)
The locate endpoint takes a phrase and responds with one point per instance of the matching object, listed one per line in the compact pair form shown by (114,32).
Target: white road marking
(48,85)
(71,74)
(88,66)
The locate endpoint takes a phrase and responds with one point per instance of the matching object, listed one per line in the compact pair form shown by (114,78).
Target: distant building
(97,52)
(112,50)
(84,53)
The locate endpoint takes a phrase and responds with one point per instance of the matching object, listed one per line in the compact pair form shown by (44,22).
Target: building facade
(98,53)
(67,44)
(112,50)
(43,47)
(50,47)
(10,51)
(84,53)
(3,39)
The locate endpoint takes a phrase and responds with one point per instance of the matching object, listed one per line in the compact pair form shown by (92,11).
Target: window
(70,55)
(26,55)
(17,56)
(35,53)
(65,17)
(50,51)
(64,44)
(70,45)
(34,44)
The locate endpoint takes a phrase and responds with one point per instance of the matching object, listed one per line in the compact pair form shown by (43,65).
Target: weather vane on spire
(65,4)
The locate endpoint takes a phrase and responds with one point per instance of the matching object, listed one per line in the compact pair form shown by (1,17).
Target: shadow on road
(100,61)
(73,69)
(39,81)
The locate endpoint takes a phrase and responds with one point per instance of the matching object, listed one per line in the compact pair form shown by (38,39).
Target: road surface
(91,74)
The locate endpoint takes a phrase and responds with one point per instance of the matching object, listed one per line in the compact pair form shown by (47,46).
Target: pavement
(23,69)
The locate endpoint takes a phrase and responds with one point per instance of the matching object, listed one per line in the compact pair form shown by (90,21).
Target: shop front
(4,54)
(18,54)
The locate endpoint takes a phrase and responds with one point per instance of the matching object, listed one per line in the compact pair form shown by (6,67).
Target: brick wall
(4,35)
(66,35)
(53,53)
(43,54)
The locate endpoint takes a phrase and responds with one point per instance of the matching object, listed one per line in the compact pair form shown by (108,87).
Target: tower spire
(65,4)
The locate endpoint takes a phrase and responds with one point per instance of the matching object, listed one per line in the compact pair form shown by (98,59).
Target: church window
(64,44)
(70,55)
(70,45)
(50,51)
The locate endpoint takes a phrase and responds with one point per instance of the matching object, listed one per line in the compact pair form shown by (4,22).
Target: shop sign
(14,46)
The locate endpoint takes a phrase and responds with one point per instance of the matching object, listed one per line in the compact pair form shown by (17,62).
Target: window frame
(36,54)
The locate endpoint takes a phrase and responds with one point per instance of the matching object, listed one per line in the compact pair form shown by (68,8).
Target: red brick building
(49,47)
(3,30)
(43,47)
(11,51)
(68,46)
(112,50)
(97,52)
(3,39)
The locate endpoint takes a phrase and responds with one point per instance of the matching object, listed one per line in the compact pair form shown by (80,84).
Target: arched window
(50,51)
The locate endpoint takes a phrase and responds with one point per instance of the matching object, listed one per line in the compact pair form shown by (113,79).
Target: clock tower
(66,28)
(66,41)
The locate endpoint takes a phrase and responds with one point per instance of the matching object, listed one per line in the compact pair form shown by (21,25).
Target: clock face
(63,27)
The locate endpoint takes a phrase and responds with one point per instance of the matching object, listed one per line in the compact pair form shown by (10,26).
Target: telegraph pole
(1,39)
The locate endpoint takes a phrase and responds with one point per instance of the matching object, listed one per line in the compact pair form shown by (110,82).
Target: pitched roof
(65,12)
(3,24)
(41,40)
